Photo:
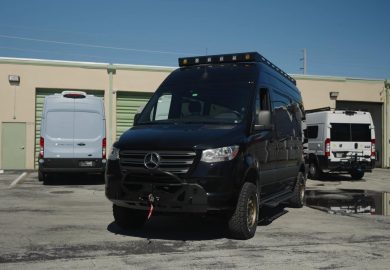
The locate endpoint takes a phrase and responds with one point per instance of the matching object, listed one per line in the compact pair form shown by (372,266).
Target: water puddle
(349,201)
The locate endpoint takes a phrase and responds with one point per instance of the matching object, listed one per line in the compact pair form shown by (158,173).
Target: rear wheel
(46,178)
(243,222)
(314,172)
(41,176)
(357,174)
(129,218)
(298,198)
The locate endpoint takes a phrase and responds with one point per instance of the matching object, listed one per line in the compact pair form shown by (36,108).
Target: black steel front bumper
(171,194)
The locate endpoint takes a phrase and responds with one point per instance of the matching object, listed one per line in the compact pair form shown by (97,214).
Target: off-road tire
(357,175)
(314,172)
(129,218)
(298,199)
(243,222)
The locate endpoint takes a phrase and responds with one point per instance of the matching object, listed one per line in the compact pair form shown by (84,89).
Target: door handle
(22,147)
(81,144)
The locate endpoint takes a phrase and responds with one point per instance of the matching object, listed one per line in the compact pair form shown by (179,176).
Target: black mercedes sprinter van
(221,134)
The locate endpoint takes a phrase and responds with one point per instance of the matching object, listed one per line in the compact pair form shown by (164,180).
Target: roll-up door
(127,105)
(39,100)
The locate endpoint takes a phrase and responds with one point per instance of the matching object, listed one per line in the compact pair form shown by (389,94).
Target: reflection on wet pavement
(349,201)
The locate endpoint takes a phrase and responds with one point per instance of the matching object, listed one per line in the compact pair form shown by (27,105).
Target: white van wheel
(314,171)
(357,175)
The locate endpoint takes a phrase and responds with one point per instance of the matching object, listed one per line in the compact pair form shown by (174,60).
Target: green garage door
(127,105)
(39,100)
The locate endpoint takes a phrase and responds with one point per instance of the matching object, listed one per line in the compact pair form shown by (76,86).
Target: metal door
(127,105)
(13,141)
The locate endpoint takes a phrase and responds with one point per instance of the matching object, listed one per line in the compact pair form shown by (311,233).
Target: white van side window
(312,132)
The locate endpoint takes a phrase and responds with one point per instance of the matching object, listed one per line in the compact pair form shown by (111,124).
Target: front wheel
(129,218)
(298,198)
(243,222)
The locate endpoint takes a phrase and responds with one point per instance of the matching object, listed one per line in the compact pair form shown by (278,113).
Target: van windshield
(350,132)
(222,102)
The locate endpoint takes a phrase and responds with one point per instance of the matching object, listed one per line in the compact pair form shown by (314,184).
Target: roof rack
(232,58)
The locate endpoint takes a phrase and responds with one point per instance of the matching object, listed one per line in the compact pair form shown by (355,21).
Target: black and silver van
(222,134)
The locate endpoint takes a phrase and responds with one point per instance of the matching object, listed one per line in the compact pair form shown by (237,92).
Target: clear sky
(343,37)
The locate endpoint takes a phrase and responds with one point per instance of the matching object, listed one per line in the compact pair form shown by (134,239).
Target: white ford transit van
(73,134)
(340,141)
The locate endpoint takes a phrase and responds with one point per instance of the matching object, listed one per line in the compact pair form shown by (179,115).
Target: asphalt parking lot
(69,224)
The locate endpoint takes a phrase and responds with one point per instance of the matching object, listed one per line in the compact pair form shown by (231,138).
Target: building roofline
(108,66)
(80,64)
(334,78)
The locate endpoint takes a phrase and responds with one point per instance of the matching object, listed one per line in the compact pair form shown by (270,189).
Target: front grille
(176,162)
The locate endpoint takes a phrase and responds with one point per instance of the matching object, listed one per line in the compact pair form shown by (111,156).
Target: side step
(277,199)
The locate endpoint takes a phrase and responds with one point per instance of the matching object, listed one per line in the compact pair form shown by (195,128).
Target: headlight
(220,154)
(114,155)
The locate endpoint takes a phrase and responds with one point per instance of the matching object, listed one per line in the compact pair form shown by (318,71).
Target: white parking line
(17,180)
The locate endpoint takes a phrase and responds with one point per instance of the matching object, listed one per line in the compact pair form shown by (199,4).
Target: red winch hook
(151,208)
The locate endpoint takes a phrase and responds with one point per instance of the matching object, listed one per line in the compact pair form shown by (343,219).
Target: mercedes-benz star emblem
(152,160)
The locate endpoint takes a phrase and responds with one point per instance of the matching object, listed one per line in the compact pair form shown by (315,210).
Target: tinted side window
(283,118)
(340,132)
(361,132)
(312,132)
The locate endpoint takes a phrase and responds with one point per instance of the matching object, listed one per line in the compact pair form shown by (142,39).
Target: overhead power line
(89,45)
(55,52)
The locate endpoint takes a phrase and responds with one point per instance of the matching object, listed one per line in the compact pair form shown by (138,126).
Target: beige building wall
(113,78)
(315,90)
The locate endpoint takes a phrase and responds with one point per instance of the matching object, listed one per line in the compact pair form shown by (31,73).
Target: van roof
(338,116)
(66,99)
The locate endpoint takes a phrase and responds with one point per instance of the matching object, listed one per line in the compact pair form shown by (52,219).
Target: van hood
(180,137)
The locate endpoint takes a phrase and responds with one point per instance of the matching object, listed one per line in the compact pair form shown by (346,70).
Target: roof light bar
(231,58)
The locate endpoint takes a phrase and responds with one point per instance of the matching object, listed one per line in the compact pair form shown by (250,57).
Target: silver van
(73,134)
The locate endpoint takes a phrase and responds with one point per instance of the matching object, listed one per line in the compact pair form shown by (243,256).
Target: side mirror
(136,118)
(263,121)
